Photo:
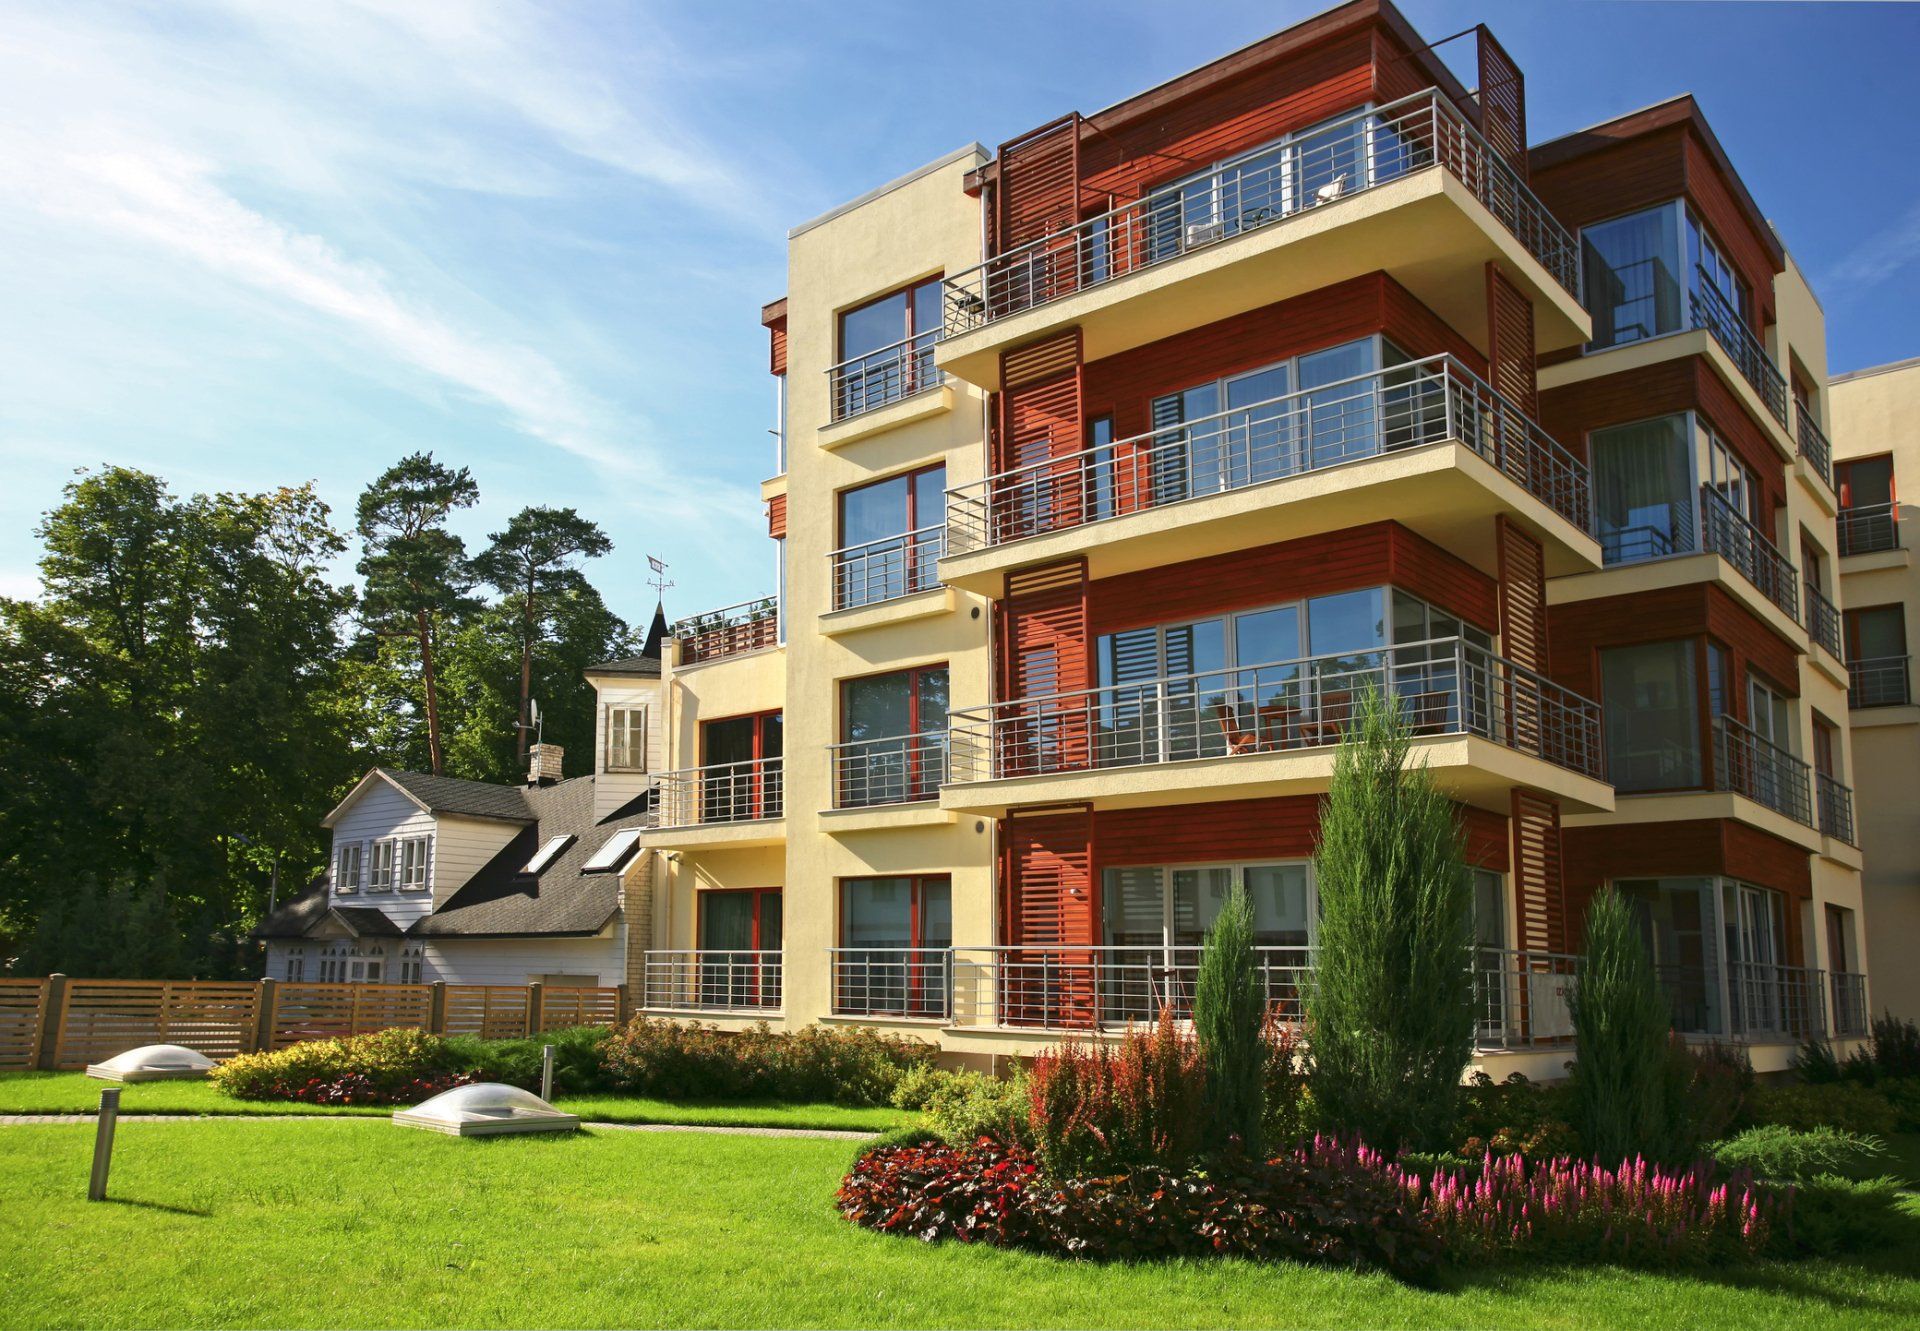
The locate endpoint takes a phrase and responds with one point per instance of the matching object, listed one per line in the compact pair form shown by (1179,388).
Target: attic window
(546,855)
(614,852)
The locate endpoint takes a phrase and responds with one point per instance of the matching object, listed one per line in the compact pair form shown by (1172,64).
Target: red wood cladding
(1539,892)
(1580,629)
(1045,632)
(773,316)
(1125,385)
(1039,185)
(777,517)
(1510,351)
(1689,383)
(1502,95)
(1278,828)
(1040,403)
(1380,553)
(1048,856)
(1523,596)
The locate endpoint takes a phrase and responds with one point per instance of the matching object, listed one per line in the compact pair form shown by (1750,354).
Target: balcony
(1849,1002)
(887,569)
(1869,528)
(1835,808)
(731,631)
(1878,681)
(705,981)
(1100,988)
(1753,1001)
(901,982)
(1813,445)
(897,769)
(1215,483)
(1726,532)
(1410,187)
(721,795)
(1712,312)
(880,378)
(1745,764)
(1823,621)
(1255,717)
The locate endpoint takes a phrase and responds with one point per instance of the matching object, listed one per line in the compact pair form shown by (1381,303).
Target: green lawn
(76,1093)
(358,1223)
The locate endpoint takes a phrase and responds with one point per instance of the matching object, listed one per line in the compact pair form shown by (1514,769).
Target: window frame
(383,864)
(341,851)
(635,718)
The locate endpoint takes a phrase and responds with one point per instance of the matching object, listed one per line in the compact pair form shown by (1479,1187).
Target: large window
(1650,696)
(1160,906)
(741,781)
(737,928)
(346,867)
(1678,922)
(893,728)
(886,348)
(1876,637)
(1642,272)
(889,537)
(1643,488)
(626,739)
(894,933)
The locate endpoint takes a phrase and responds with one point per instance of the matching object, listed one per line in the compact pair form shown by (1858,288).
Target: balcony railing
(1823,621)
(1524,999)
(1712,312)
(1836,807)
(694,980)
(742,792)
(1813,444)
(892,981)
(1765,773)
(1385,411)
(1878,681)
(1849,1002)
(889,374)
(896,769)
(1726,532)
(1869,527)
(1089,988)
(1444,686)
(1313,170)
(1747,1000)
(730,631)
(887,569)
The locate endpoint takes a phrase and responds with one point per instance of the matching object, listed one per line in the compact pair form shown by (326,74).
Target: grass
(76,1093)
(305,1224)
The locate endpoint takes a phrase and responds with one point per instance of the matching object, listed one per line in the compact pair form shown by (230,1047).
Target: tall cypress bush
(1229,1011)
(1625,1095)
(1390,1014)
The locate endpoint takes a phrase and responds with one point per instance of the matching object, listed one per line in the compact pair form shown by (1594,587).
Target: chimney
(544,764)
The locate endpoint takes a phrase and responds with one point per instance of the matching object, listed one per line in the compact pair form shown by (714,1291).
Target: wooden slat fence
(22,1010)
(101,1018)
(335,1011)
(564,1005)
(492,1011)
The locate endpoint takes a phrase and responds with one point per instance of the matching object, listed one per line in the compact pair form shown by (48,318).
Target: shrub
(970,1193)
(1814,1063)
(1229,1016)
(385,1067)
(1390,1008)
(1789,1155)
(964,1106)
(1625,1096)
(1717,1094)
(1095,1109)
(1287,1105)
(1833,1217)
(578,1068)
(1515,1117)
(1903,1093)
(1896,1047)
(849,1065)
(1844,1106)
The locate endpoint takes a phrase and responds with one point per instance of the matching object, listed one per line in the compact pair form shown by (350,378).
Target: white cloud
(1881,255)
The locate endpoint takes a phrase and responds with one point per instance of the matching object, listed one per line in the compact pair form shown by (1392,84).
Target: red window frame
(720,986)
(915,972)
(916,764)
(759,792)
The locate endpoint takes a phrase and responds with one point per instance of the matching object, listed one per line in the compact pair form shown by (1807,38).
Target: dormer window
(626,739)
(380,867)
(347,863)
(413,864)
(549,851)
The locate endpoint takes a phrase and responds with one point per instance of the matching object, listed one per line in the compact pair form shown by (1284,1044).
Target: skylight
(547,854)
(614,853)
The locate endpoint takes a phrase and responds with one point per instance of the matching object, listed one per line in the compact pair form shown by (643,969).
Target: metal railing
(1524,999)
(1836,807)
(887,374)
(1713,312)
(1813,443)
(1849,1002)
(1444,686)
(892,981)
(1726,531)
(1765,773)
(699,980)
(1878,681)
(1869,527)
(894,769)
(728,631)
(1823,621)
(888,568)
(1070,988)
(1746,1000)
(1424,402)
(741,792)
(1311,170)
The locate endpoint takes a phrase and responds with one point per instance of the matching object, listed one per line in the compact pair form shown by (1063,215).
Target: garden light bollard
(546,1072)
(103,1145)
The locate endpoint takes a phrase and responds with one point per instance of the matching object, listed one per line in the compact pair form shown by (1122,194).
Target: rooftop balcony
(1410,187)
(1430,443)
(1481,722)
(731,630)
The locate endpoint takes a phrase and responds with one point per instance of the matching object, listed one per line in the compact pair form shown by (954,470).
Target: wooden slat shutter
(1502,97)
(1539,894)
(1044,649)
(1038,196)
(1511,359)
(1048,917)
(1523,596)
(777,517)
(1040,418)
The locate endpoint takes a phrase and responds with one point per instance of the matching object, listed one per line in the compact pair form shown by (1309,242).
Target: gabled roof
(647,664)
(443,794)
(309,916)
(500,901)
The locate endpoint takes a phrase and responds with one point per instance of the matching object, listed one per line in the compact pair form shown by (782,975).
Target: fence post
(623,1005)
(264,1003)
(437,1007)
(53,1002)
(536,996)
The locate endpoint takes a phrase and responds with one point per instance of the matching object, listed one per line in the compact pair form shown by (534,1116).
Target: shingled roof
(647,664)
(467,799)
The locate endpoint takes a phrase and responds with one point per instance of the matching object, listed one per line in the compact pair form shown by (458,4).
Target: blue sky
(248,244)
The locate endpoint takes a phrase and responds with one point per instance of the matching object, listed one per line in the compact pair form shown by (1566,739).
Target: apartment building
(1114,462)
(1876,418)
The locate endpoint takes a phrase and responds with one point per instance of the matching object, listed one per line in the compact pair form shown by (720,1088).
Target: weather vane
(659,581)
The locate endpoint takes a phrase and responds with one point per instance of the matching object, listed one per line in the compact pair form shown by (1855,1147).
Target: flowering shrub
(851,1065)
(1096,1109)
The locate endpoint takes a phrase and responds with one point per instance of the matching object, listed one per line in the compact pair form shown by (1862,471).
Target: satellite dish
(533,711)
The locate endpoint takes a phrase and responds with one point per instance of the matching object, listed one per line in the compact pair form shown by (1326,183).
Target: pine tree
(1624,1096)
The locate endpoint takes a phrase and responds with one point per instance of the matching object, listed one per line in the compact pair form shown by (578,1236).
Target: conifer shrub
(1229,1019)
(1627,1087)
